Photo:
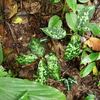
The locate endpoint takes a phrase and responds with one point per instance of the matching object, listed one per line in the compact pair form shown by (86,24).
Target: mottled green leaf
(37,47)
(73,48)
(87,70)
(55,33)
(14,89)
(26,59)
(86,11)
(53,66)
(42,72)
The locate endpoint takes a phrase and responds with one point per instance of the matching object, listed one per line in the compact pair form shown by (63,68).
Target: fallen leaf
(10,8)
(95,70)
(20,20)
(93,43)
(32,7)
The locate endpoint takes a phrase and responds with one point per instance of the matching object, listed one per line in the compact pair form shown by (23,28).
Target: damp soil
(15,39)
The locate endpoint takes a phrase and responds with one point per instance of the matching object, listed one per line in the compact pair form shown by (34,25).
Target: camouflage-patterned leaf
(26,59)
(53,66)
(55,33)
(42,72)
(37,47)
(73,48)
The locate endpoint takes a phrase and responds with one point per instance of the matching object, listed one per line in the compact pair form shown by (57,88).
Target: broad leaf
(83,1)
(86,12)
(72,4)
(90,97)
(42,72)
(90,58)
(71,19)
(88,69)
(1,54)
(54,1)
(37,47)
(55,21)
(73,49)
(18,89)
(55,33)
(53,66)
(26,59)
(95,29)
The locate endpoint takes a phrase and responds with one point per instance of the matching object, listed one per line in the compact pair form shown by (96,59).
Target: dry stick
(13,35)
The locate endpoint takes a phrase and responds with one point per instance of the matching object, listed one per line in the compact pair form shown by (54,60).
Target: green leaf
(55,33)
(55,21)
(90,58)
(90,97)
(14,89)
(37,47)
(71,19)
(85,11)
(42,72)
(3,73)
(83,1)
(99,83)
(73,49)
(72,4)
(54,1)
(26,59)
(53,66)
(1,54)
(69,82)
(87,70)
(95,29)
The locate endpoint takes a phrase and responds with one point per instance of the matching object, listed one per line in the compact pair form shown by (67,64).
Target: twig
(12,34)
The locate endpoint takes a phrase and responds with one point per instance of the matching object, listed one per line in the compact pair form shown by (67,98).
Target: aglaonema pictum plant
(79,22)
(21,89)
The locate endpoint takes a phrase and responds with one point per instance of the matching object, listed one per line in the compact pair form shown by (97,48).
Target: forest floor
(15,39)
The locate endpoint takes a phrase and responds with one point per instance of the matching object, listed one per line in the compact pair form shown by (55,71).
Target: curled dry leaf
(10,8)
(20,20)
(93,43)
(32,7)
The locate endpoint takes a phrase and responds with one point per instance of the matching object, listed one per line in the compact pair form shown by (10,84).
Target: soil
(15,38)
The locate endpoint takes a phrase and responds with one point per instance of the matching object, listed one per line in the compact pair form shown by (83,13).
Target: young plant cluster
(79,21)
(78,18)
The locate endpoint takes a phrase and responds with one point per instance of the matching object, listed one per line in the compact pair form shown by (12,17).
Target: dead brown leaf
(32,7)
(93,43)
(10,8)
